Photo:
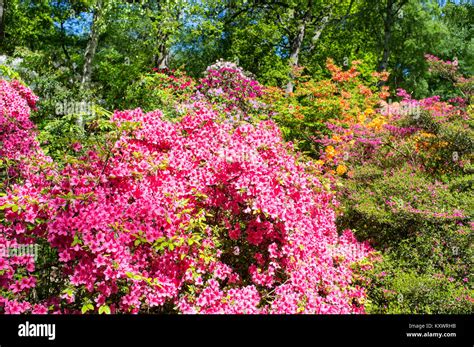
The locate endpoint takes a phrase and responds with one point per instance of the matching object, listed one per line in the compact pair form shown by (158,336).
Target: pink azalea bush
(225,87)
(231,90)
(449,70)
(21,160)
(192,216)
(16,136)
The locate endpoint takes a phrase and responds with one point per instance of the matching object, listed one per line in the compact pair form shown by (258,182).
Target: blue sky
(79,25)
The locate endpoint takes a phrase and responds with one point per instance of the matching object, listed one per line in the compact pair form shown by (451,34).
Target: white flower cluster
(15,65)
(12,63)
(219,64)
(222,64)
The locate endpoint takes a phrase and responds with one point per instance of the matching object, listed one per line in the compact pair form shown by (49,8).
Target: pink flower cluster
(193,216)
(434,59)
(440,110)
(17,138)
(21,159)
(231,90)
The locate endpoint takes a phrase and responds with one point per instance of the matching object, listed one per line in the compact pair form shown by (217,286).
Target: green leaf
(134,276)
(87,307)
(104,309)
(5,206)
(76,241)
(68,291)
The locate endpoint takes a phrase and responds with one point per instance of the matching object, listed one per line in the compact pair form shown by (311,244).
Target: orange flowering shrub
(343,98)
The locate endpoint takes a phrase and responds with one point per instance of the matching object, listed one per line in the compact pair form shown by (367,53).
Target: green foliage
(59,136)
(162,90)
(393,204)
(400,292)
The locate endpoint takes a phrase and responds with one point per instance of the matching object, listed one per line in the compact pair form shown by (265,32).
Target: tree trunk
(388,25)
(89,55)
(2,19)
(91,47)
(295,52)
(163,57)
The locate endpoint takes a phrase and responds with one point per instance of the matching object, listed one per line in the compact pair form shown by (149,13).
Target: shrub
(397,292)
(161,89)
(344,97)
(196,215)
(231,91)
